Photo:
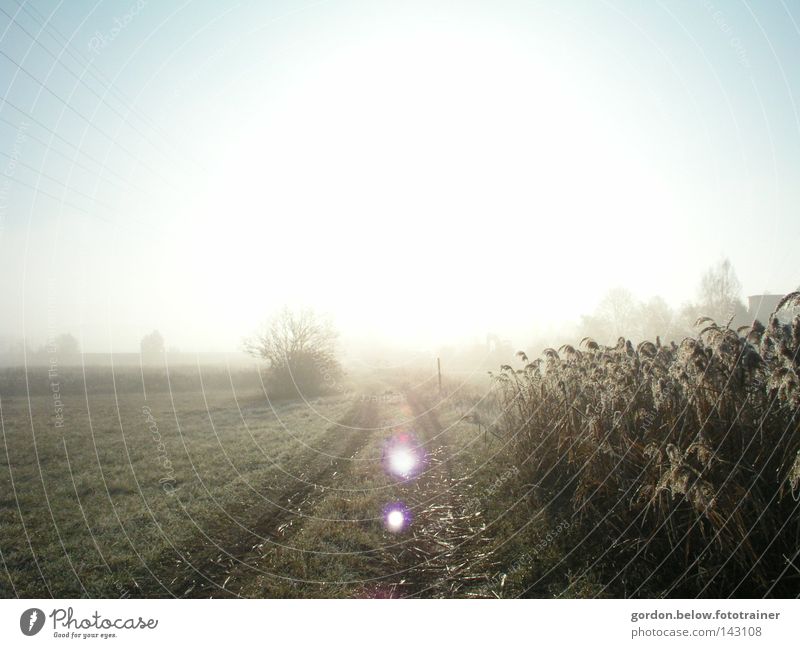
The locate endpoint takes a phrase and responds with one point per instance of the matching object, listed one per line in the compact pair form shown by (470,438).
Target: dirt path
(437,560)
(432,558)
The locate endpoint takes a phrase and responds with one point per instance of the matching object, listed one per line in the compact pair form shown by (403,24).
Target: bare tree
(301,350)
(620,314)
(620,309)
(152,344)
(720,293)
(616,315)
(67,344)
(658,319)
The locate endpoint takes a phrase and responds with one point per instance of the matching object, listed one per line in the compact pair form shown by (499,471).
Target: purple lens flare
(403,456)
(396,517)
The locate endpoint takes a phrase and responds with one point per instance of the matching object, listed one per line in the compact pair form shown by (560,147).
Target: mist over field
(425,175)
(385,300)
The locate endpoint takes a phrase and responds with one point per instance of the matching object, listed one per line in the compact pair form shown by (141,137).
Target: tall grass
(677,463)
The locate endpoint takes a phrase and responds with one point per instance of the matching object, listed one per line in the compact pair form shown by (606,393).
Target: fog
(438,180)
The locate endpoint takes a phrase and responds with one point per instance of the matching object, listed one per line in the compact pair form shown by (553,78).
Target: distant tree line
(620,314)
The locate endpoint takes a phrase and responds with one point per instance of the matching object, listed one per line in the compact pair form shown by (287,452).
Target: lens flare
(395,520)
(396,517)
(402,461)
(403,456)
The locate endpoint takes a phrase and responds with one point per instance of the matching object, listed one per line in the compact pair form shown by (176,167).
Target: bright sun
(383,161)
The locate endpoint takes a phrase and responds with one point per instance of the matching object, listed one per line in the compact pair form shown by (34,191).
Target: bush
(301,350)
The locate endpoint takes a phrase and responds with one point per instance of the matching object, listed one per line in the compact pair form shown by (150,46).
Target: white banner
(399,623)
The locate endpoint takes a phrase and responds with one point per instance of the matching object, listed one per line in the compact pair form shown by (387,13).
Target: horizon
(356,347)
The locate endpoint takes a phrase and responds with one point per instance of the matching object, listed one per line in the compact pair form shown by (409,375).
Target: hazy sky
(423,171)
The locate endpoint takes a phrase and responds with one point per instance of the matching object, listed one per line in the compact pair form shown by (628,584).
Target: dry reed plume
(679,463)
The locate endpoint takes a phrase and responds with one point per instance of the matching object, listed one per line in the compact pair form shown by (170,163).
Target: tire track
(437,560)
(232,564)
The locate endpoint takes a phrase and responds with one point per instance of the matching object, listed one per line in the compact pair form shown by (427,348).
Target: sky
(423,172)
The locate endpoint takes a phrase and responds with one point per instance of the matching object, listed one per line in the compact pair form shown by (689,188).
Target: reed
(678,463)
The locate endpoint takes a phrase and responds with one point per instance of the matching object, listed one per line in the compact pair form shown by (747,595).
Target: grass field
(172,487)
(612,471)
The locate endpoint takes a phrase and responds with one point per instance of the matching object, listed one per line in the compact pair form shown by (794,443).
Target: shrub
(301,351)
